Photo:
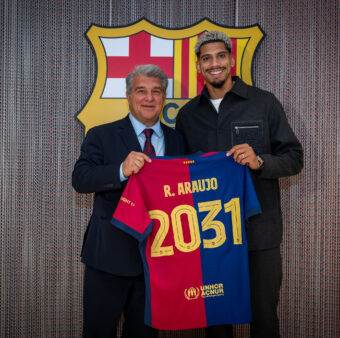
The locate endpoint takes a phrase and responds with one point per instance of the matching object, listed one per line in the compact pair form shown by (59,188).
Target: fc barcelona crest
(119,49)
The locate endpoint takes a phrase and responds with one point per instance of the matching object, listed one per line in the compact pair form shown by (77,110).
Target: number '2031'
(209,222)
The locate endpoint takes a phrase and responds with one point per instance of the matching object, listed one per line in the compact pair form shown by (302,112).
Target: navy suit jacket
(96,171)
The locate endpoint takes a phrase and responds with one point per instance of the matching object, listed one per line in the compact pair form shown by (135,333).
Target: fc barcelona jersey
(189,215)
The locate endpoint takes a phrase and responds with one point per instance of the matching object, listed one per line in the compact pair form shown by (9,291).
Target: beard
(218,84)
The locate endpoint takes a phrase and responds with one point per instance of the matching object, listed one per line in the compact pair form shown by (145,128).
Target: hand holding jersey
(134,162)
(244,154)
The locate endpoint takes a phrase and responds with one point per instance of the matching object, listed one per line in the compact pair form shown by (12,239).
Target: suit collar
(170,145)
(139,126)
(128,135)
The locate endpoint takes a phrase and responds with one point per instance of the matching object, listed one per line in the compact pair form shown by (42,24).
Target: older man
(113,280)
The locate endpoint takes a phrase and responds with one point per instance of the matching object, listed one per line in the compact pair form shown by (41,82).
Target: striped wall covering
(47,73)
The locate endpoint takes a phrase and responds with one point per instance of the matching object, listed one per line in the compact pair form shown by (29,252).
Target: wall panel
(47,73)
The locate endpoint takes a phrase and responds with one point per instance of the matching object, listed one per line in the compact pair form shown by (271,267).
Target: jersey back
(189,216)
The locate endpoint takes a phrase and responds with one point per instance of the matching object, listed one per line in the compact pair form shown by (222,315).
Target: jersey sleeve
(251,203)
(131,215)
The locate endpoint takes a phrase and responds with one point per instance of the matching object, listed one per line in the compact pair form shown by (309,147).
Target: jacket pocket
(250,132)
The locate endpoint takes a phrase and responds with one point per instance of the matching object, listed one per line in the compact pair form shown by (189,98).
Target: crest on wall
(119,49)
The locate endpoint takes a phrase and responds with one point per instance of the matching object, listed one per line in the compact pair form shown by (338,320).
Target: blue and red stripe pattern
(189,218)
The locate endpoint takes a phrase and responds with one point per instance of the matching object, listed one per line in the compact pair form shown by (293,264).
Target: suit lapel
(169,142)
(128,135)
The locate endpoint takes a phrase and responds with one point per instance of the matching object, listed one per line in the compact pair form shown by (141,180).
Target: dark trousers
(106,297)
(265,270)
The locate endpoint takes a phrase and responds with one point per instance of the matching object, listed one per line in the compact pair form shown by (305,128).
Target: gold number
(177,226)
(209,222)
(233,206)
(213,208)
(157,250)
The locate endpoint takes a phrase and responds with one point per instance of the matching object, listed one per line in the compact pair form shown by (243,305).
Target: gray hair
(212,36)
(148,71)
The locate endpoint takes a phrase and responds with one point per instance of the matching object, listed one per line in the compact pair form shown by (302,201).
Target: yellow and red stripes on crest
(187,82)
(238,50)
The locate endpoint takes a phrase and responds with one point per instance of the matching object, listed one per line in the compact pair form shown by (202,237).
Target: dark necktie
(148,147)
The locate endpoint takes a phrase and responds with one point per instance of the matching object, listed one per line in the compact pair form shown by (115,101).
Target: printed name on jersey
(191,187)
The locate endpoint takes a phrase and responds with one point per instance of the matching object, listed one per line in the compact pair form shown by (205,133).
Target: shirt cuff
(121,175)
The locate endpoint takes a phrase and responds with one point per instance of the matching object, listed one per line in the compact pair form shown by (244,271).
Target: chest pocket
(250,132)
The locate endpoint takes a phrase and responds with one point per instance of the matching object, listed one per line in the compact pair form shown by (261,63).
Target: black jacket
(248,115)
(97,171)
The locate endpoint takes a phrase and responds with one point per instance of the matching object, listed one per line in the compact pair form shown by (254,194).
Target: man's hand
(245,155)
(134,162)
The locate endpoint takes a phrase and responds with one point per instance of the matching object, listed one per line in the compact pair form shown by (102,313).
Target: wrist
(122,177)
(260,162)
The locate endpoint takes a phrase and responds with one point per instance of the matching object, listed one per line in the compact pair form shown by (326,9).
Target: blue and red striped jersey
(189,215)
